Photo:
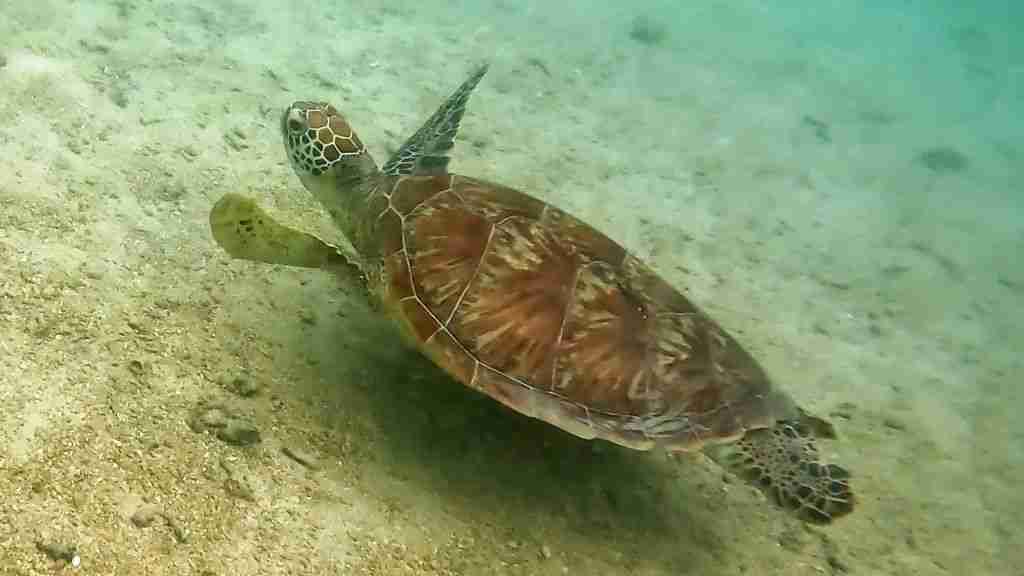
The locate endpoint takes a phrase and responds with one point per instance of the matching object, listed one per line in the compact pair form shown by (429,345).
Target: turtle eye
(294,125)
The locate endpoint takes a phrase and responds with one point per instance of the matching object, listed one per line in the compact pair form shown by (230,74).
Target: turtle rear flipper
(246,231)
(783,462)
(426,151)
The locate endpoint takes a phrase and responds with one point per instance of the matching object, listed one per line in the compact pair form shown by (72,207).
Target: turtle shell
(535,308)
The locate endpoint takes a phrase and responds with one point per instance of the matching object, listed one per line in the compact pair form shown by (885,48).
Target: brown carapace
(537,309)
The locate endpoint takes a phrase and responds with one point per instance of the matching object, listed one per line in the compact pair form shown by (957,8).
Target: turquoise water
(836,183)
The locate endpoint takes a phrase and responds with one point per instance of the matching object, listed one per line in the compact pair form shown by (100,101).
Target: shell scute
(495,201)
(511,316)
(446,243)
(397,278)
(389,232)
(581,237)
(421,321)
(409,193)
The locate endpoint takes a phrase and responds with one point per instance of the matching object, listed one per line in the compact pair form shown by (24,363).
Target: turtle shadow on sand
(487,462)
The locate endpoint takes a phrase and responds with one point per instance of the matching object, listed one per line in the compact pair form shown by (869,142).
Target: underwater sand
(847,205)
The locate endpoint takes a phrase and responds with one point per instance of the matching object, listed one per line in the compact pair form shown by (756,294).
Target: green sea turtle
(529,305)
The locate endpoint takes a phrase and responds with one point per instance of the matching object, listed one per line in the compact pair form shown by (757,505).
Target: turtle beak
(291,121)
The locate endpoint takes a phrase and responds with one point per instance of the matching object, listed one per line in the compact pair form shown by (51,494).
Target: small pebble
(239,433)
(58,551)
(135,367)
(179,532)
(245,387)
(146,515)
(236,484)
(943,160)
(225,425)
(647,30)
(241,385)
(237,487)
(894,424)
(301,456)
(209,417)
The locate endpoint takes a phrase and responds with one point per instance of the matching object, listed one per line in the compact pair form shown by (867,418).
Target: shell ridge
(473,277)
(566,311)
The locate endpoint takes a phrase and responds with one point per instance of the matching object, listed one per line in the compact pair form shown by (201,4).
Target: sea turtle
(529,305)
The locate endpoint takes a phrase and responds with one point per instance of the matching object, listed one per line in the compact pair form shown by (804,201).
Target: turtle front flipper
(783,462)
(246,231)
(426,151)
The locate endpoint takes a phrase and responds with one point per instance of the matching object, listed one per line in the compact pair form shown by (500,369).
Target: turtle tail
(783,462)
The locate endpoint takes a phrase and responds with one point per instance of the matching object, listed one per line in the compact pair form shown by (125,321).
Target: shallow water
(838,185)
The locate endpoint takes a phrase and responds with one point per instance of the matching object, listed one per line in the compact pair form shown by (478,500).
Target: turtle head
(324,150)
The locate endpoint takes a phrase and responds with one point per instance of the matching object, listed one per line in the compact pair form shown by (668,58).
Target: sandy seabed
(834,236)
